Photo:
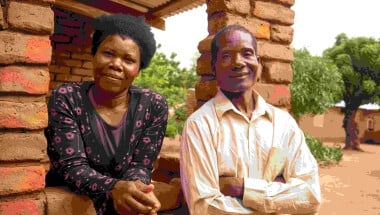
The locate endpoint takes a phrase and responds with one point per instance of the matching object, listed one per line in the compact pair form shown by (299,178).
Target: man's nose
(238,61)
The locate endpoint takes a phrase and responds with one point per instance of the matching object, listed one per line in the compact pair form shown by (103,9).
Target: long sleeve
(66,149)
(301,192)
(150,142)
(199,174)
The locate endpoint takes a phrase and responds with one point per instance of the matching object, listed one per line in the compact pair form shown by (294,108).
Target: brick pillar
(25,52)
(271,22)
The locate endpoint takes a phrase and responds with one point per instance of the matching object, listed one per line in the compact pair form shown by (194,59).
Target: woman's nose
(116,63)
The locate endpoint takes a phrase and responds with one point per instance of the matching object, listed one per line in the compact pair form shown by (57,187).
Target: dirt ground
(350,188)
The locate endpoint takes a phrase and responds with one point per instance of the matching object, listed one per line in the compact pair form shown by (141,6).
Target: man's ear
(213,70)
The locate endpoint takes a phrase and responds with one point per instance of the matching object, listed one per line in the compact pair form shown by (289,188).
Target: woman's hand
(134,197)
(231,186)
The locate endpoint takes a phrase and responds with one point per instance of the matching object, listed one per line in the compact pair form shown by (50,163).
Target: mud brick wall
(43,46)
(270,21)
(25,52)
(71,41)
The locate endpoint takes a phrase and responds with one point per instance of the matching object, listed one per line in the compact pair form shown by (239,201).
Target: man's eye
(108,53)
(248,53)
(226,56)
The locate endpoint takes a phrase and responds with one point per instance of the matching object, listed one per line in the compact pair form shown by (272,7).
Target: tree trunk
(351,130)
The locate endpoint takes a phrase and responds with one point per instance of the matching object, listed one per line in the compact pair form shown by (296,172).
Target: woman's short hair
(129,26)
(228,28)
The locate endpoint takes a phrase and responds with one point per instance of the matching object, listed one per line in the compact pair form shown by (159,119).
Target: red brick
(59,69)
(60,38)
(54,84)
(204,64)
(31,17)
(3,22)
(64,202)
(69,62)
(22,48)
(27,206)
(170,195)
(21,79)
(23,115)
(68,78)
(61,54)
(278,72)
(205,44)
(274,12)
(260,28)
(15,180)
(82,72)
(236,6)
(67,47)
(22,146)
(284,2)
(82,56)
(205,90)
(70,23)
(278,95)
(87,78)
(274,51)
(282,34)
(87,65)
(81,42)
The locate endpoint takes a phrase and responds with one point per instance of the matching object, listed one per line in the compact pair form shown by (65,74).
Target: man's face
(236,62)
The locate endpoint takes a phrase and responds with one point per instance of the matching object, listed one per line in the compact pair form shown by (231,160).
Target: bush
(176,122)
(323,154)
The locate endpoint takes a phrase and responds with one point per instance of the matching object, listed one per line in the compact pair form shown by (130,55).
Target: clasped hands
(134,197)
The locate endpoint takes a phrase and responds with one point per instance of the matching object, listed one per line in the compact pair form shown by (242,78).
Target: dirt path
(350,188)
(353,186)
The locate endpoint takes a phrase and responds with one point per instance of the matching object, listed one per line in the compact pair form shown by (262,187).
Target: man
(240,155)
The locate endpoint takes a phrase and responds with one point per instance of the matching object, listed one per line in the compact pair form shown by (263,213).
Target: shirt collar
(223,104)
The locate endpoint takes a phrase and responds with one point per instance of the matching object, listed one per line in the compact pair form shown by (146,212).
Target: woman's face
(116,63)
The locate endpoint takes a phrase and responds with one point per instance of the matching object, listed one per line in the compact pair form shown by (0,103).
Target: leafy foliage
(316,85)
(358,60)
(166,77)
(323,154)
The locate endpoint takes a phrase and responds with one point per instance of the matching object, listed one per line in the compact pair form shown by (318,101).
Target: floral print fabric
(80,158)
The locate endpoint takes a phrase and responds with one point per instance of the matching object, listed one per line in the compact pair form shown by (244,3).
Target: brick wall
(33,61)
(271,21)
(25,52)
(71,41)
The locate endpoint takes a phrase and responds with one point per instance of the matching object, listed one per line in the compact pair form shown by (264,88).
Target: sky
(316,24)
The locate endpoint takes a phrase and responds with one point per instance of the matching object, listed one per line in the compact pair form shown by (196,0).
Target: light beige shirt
(218,140)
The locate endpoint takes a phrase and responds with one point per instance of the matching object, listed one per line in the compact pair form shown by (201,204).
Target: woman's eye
(129,60)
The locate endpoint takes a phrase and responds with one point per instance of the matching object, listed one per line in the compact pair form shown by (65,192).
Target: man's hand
(134,197)
(231,186)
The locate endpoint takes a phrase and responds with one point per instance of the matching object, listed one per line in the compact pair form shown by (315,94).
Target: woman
(104,136)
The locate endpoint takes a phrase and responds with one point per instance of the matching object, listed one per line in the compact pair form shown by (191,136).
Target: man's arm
(200,177)
(301,192)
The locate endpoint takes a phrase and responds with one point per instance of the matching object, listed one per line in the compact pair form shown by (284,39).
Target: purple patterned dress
(80,149)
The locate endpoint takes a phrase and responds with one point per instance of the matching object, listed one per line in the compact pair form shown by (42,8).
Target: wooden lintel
(80,8)
(174,6)
(132,5)
(93,12)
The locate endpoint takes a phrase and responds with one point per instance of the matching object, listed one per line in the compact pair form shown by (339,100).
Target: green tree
(166,77)
(316,85)
(358,60)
